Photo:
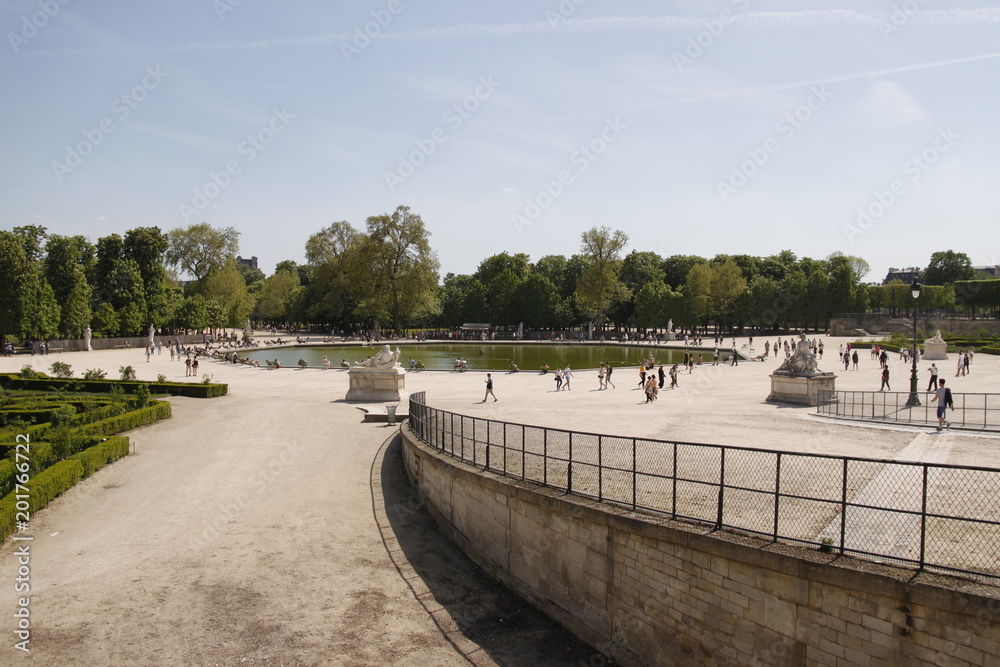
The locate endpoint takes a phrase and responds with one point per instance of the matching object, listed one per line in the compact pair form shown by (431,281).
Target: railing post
(923,519)
(461,437)
(633,474)
(523,449)
(504,448)
(843,509)
(569,466)
(777,494)
(600,471)
(545,457)
(673,499)
(722,487)
(487,446)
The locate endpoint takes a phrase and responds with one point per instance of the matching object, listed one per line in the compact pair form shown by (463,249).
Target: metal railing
(934,517)
(972,411)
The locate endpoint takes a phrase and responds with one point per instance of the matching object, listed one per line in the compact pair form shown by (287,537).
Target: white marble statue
(86,339)
(384,360)
(803,362)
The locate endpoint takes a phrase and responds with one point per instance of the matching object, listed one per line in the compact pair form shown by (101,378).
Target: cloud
(887,103)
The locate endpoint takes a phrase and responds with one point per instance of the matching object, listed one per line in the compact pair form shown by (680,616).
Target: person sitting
(420,364)
(545,368)
(344,364)
(514,368)
(326,362)
(413,363)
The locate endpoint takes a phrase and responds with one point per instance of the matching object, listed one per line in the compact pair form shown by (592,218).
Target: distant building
(252,262)
(907,275)
(991,271)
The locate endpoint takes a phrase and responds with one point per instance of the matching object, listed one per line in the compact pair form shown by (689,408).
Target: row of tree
(386,275)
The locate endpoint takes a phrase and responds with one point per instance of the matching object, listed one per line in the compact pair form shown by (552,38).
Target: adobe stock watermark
(580,160)
(122,107)
(223,7)
(454,117)
(899,17)
(30,25)
(364,34)
(248,150)
(912,170)
(785,128)
(697,44)
(563,12)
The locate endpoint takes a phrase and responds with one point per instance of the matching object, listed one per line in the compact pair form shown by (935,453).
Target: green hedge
(199,390)
(43,489)
(154,412)
(96,457)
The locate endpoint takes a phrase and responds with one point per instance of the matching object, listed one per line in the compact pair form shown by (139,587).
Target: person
(545,368)
(736,357)
(513,367)
(326,362)
(942,395)
(559,379)
(847,361)
(600,377)
(854,358)
(650,388)
(673,377)
(642,374)
(767,348)
(885,379)
(194,367)
(187,367)
(413,363)
(148,352)
(344,364)
(567,376)
(932,385)
(715,354)
(607,377)
(662,376)
(489,388)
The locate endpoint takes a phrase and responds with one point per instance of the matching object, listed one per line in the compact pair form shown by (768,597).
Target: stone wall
(845,326)
(650,592)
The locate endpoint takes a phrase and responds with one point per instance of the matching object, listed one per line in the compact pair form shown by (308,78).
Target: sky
(695,127)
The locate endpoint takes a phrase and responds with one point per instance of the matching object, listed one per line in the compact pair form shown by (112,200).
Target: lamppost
(914,400)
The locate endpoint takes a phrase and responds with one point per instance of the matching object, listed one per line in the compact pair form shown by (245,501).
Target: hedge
(42,489)
(193,390)
(154,412)
(96,457)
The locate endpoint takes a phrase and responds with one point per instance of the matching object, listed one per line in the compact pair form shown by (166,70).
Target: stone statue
(670,325)
(152,334)
(937,337)
(803,362)
(385,360)
(246,327)
(86,339)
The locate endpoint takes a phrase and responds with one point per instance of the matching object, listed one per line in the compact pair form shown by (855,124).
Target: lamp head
(915,290)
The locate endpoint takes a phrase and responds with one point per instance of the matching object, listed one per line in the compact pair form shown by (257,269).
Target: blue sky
(697,127)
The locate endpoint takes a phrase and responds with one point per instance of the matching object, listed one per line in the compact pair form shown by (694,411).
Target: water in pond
(483,356)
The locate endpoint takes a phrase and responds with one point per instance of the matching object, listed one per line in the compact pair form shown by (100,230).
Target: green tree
(948,266)
(199,248)
(599,286)
(493,266)
(698,290)
(538,302)
(403,275)
(278,296)
(226,295)
(335,256)
(65,272)
(193,313)
(16,286)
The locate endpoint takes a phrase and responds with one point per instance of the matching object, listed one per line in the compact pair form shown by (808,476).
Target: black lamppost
(914,400)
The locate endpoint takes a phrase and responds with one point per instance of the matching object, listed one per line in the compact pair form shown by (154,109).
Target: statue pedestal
(671,335)
(800,389)
(369,385)
(935,350)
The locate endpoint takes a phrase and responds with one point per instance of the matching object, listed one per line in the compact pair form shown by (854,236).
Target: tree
(334,256)
(538,302)
(599,287)
(18,283)
(278,296)
(200,248)
(128,298)
(65,272)
(403,276)
(493,266)
(677,267)
(727,285)
(698,290)
(147,246)
(226,295)
(948,266)
(193,313)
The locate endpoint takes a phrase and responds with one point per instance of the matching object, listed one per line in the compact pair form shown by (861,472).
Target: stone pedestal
(376,386)
(935,350)
(800,389)
(671,335)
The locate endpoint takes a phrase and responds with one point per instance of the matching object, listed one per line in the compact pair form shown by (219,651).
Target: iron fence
(934,517)
(972,411)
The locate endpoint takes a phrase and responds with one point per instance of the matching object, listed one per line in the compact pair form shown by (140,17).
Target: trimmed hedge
(200,390)
(96,457)
(154,412)
(43,489)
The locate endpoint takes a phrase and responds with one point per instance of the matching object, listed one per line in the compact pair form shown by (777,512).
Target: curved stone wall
(651,592)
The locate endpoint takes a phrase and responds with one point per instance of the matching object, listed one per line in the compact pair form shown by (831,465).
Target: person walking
(600,376)
(932,385)
(489,388)
(567,376)
(942,395)
(559,379)
(662,376)
(885,379)
(854,358)
(642,374)
(673,377)
(607,378)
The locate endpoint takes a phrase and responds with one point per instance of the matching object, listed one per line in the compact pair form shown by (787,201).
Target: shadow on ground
(507,628)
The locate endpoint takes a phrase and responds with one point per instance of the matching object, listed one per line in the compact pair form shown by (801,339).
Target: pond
(483,356)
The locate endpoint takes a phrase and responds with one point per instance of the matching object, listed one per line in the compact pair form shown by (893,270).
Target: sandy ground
(273,527)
